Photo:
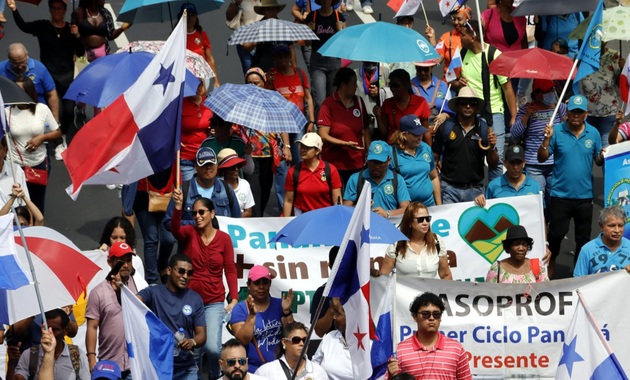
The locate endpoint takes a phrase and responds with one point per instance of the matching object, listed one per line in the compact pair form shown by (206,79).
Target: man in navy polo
(20,64)
(575,145)
(389,197)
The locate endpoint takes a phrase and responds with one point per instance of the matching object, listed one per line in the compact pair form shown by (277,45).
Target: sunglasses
(183,271)
(296,340)
(421,219)
(201,212)
(232,362)
(262,281)
(428,314)
(468,102)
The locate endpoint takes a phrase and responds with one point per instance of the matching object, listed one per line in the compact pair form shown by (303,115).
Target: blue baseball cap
(190,7)
(106,369)
(206,156)
(379,151)
(413,125)
(577,102)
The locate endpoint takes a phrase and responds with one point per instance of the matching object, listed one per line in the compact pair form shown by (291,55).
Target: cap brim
(452,104)
(260,10)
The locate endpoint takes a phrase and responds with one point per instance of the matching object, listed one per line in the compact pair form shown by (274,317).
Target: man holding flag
(427,353)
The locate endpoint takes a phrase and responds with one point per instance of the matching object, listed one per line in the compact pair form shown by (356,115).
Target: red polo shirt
(313,191)
(346,124)
(417,106)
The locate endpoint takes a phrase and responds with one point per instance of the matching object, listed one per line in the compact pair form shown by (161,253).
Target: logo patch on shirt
(388,189)
(323,176)
(187,310)
(452,136)
(426,157)
(197,41)
(588,143)
(356,112)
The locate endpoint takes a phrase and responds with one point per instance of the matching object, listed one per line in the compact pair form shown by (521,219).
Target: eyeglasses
(183,271)
(262,281)
(429,314)
(201,212)
(232,362)
(468,102)
(422,219)
(296,340)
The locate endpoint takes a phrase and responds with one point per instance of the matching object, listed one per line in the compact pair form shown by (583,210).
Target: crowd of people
(419,141)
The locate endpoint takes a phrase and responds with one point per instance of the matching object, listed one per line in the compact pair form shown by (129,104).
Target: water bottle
(179,336)
(226,317)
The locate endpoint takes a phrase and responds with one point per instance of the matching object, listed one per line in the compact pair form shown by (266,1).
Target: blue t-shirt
(572,176)
(501,188)
(439,99)
(267,331)
(383,194)
(38,73)
(415,170)
(184,309)
(560,27)
(596,257)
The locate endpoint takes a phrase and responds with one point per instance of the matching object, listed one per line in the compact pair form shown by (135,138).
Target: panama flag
(448,6)
(456,63)
(408,8)
(585,352)
(12,274)
(624,84)
(350,281)
(383,348)
(150,343)
(139,133)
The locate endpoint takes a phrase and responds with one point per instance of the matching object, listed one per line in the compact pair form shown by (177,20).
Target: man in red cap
(104,312)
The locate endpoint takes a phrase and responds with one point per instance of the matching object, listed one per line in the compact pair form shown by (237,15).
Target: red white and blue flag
(12,274)
(456,63)
(139,133)
(350,281)
(449,6)
(624,84)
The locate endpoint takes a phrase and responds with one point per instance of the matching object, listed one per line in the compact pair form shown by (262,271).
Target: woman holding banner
(517,269)
(424,255)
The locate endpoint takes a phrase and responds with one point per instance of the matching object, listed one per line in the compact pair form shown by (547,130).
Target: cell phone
(114,271)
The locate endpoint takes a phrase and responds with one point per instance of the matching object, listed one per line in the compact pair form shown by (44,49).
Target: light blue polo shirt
(596,257)
(501,188)
(572,176)
(37,72)
(383,194)
(415,170)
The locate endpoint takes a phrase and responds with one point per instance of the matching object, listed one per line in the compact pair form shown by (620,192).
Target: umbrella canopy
(142,11)
(105,79)
(379,42)
(12,93)
(555,7)
(195,63)
(532,63)
(328,225)
(271,30)
(614,25)
(62,271)
(256,108)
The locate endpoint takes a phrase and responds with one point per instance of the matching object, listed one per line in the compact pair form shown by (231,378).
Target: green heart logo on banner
(484,229)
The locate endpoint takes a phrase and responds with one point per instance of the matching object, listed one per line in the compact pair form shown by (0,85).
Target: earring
(284,347)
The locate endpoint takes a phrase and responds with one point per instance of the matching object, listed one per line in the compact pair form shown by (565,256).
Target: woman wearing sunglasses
(424,255)
(212,255)
(293,338)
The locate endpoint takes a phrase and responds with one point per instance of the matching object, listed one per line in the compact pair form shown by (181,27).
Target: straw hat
(466,93)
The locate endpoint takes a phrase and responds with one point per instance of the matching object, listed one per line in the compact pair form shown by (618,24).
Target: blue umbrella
(140,11)
(105,79)
(379,42)
(257,108)
(327,226)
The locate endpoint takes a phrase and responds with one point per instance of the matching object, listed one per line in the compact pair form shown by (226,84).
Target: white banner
(510,335)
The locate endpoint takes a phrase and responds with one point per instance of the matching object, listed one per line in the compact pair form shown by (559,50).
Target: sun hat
(228,158)
(517,232)
(466,93)
(260,9)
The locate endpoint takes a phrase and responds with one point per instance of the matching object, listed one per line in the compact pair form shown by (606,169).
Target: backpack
(296,176)
(75,357)
(215,222)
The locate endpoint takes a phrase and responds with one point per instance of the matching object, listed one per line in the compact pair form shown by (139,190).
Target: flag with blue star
(350,281)
(139,133)
(585,352)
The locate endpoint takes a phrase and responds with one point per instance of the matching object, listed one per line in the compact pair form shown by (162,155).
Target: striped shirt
(446,360)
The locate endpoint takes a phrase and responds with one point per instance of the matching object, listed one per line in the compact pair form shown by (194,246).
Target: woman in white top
(30,126)
(333,353)
(424,255)
(293,338)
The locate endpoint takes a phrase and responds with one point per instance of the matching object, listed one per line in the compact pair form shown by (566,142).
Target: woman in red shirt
(212,255)
(197,40)
(195,128)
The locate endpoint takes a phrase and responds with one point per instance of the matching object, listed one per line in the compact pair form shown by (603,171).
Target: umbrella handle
(481,142)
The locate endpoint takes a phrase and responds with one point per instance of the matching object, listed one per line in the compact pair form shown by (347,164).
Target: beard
(237,374)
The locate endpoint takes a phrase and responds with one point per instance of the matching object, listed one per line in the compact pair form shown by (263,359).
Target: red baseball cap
(257,272)
(119,249)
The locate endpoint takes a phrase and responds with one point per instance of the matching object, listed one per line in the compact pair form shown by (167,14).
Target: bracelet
(388,213)
(290,313)
(194,343)
(544,147)
(287,146)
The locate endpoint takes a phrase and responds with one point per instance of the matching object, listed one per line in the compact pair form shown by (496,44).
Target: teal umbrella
(379,42)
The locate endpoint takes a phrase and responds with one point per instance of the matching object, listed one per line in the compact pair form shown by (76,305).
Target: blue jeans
(278,184)
(158,241)
(214,328)
(542,175)
(187,167)
(323,70)
(245,57)
(498,128)
(452,194)
(603,124)
(186,374)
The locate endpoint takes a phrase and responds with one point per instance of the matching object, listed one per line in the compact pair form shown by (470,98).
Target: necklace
(90,16)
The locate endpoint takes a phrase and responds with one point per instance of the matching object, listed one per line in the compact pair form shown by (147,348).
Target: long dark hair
(405,228)
(115,222)
(29,88)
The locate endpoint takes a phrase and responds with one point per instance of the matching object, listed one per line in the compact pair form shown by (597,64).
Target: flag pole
(564,91)
(425,13)
(320,306)
(177,168)
(591,318)
(394,330)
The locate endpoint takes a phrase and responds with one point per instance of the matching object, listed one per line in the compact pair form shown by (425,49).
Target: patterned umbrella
(615,25)
(256,108)
(271,30)
(195,63)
